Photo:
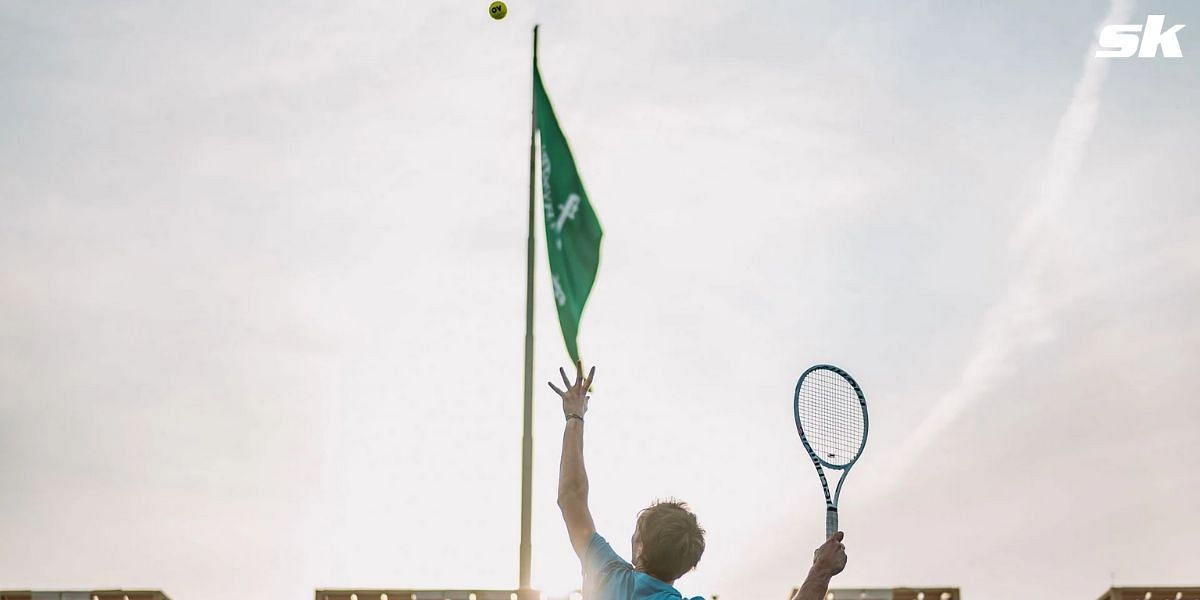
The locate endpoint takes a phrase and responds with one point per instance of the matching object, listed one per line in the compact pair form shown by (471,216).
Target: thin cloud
(1023,317)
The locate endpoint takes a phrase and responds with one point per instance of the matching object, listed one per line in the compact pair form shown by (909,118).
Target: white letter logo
(1122,41)
(1154,36)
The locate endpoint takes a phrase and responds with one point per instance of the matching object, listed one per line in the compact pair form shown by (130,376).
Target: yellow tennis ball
(498,10)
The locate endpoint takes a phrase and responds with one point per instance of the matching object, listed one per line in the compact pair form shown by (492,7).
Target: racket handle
(831,525)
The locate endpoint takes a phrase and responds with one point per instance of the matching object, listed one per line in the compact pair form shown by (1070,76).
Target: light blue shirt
(606,576)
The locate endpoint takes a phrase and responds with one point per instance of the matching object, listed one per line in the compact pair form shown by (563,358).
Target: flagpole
(525,592)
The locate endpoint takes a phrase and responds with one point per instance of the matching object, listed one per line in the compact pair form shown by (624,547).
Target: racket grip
(831,523)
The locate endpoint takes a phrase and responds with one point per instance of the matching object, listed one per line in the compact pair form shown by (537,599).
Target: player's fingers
(838,536)
(556,390)
(587,385)
(578,371)
(566,380)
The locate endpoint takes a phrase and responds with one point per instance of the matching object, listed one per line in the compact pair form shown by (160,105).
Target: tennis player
(667,540)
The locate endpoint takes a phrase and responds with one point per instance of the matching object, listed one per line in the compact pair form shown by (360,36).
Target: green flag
(572,231)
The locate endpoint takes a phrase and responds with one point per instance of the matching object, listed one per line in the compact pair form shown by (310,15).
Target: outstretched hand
(830,558)
(575,397)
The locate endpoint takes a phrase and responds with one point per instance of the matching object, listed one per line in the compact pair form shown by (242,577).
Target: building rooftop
(409,594)
(897,593)
(83,595)
(1152,593)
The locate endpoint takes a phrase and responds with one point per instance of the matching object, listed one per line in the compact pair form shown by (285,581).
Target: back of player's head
(670,539)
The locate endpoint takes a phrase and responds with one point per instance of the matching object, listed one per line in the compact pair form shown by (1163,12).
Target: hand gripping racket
(831,418)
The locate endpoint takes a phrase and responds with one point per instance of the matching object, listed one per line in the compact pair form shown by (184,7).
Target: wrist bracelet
(574,416)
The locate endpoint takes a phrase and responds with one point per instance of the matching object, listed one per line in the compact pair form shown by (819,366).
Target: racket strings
(831,417)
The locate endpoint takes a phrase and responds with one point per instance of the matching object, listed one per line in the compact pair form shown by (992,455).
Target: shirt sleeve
(606,576)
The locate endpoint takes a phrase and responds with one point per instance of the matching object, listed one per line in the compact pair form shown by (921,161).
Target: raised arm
(828,560)
(572,477)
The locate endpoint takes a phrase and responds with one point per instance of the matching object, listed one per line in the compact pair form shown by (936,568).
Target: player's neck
(670,583)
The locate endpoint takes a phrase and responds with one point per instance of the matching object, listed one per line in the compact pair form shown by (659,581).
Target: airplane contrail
(1022,318)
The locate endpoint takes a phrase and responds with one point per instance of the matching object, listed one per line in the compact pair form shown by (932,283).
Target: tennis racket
(831,418)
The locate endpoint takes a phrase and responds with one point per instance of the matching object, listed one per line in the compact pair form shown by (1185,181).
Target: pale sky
(262,288)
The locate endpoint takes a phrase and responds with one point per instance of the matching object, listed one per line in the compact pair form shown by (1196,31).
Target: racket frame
(831,502)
